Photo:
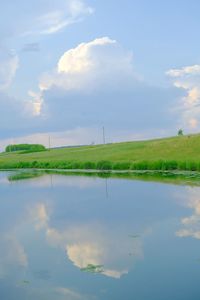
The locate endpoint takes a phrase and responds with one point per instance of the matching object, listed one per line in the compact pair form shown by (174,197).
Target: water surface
(78,238)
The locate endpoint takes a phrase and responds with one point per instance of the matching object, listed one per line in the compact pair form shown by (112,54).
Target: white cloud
(64,14)
(96,64)
(191,224)
(35,105)
(80,59)
(84,254)
(8,67)
(40,216)
(188,79)
(41,17)
(92,85)
(12,253)
(90,65)
(93,244)
(95,84)
(83,243)
(69,294)
(194,70)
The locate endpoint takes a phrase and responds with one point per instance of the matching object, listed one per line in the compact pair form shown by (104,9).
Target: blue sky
(69,67)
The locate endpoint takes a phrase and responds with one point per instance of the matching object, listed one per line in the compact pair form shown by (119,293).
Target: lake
(77,238)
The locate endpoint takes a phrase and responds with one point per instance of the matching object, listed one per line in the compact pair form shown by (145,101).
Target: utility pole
(49,142)
(104,140)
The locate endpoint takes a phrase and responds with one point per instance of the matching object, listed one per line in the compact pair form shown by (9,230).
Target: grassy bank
(176,153)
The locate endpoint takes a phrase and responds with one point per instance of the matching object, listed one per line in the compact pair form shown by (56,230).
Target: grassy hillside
(181,152)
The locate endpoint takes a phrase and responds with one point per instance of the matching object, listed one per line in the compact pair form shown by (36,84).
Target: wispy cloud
(9,63)
(188,79)
(54,19)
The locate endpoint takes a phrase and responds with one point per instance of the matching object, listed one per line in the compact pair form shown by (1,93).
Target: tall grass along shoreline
(160,165)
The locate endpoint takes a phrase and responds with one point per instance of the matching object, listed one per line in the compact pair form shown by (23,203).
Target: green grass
(175,153)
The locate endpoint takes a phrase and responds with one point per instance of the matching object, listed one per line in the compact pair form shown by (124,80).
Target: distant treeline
(25,148)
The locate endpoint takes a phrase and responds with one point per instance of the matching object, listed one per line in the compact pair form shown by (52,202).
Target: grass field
(181,153)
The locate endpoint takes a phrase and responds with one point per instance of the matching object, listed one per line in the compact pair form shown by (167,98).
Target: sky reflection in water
(68,237)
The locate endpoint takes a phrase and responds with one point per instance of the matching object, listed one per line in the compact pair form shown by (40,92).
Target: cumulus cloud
(95,83)
(89,66)
(92,85)
(92,244)
(93,65)
(84,243)
(188,79)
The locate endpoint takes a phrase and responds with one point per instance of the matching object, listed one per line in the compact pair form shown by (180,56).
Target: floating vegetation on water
(93,268)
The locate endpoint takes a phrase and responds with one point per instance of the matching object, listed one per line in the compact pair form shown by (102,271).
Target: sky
(68,68)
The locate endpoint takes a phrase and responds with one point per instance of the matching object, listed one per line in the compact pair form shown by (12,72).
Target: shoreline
(95,171)
(184,178)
